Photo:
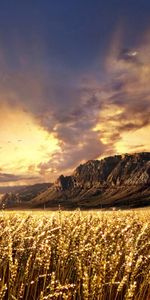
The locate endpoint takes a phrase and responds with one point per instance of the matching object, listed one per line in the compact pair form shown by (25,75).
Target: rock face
(120,180)
(116,181)
(111,171)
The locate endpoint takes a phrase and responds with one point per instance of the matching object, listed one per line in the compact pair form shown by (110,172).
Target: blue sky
(72,34)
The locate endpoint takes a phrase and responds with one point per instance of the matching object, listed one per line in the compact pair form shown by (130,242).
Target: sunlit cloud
(24,143)
(124,115)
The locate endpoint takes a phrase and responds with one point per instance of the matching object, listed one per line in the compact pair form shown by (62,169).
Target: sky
(74,85)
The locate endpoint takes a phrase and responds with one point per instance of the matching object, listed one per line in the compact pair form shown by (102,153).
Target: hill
(21,196)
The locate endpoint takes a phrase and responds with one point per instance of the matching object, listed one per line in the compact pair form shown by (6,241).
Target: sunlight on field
(75,255)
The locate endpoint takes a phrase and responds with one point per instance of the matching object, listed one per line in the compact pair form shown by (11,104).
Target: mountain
(20,196)
(115,181)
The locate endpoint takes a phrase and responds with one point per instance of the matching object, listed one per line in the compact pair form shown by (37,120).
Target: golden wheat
(75,255)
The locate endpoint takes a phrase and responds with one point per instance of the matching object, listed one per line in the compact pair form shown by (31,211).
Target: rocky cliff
(118,181)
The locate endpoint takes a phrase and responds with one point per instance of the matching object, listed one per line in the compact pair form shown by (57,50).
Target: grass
(75,255)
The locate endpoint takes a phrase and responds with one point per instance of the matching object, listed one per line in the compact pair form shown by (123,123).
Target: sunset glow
(24,143)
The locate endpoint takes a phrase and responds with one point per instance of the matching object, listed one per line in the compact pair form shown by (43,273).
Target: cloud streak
(6,178)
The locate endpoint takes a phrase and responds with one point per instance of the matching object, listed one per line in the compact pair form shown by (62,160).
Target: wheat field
(75,255)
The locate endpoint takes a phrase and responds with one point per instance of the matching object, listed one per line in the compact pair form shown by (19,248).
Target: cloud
(125,100)
(4,177)
(61,105)
(87,113)
(87,148)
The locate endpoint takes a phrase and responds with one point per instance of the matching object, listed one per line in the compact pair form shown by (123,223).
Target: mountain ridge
(114,181)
